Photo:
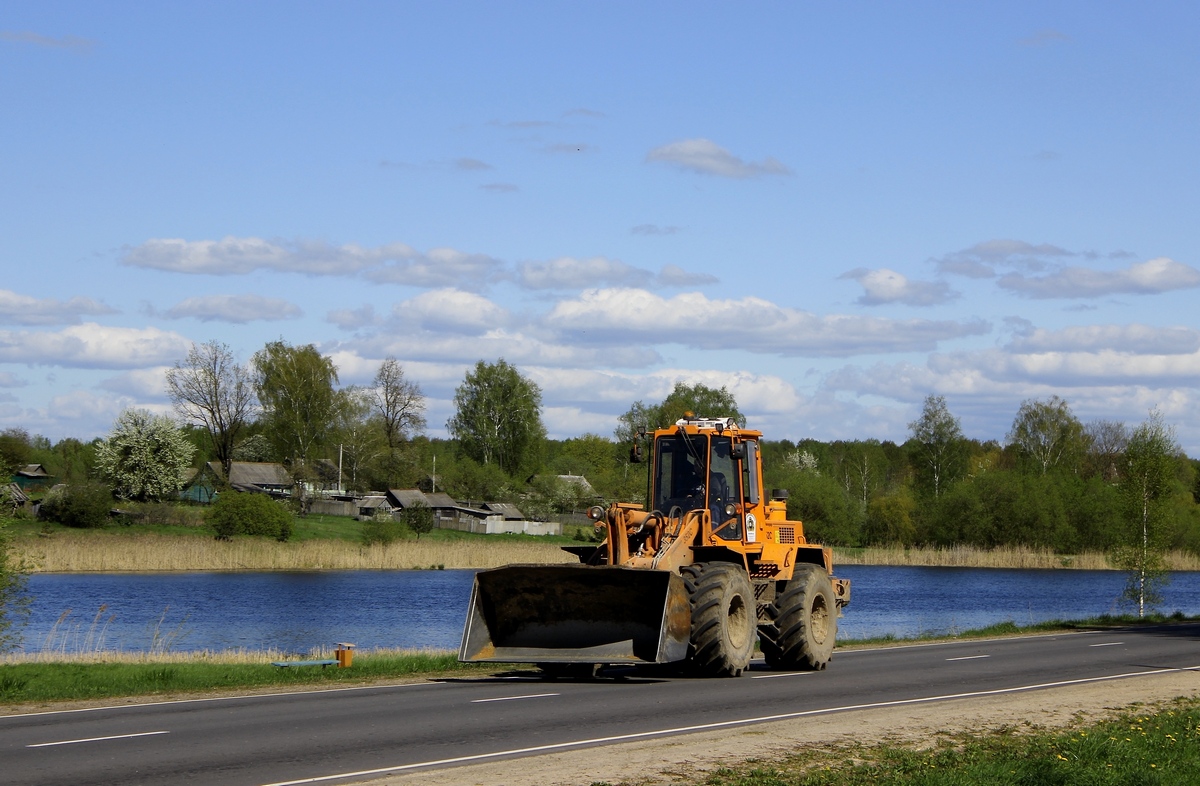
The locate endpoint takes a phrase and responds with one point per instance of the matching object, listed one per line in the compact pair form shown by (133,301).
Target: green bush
(382,530)
(419,519)
(237,513)
(82,505)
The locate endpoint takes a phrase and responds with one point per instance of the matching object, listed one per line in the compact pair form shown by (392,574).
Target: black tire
(804,626)
(722,636)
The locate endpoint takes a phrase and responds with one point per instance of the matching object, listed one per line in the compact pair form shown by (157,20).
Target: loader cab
(699,464)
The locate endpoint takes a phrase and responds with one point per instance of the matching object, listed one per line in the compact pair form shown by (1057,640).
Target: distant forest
(847,493)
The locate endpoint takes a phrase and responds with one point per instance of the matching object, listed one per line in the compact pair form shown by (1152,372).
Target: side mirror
(739,450)
(635,452)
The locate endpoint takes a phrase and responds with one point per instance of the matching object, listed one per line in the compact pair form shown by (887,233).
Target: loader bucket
(576,614)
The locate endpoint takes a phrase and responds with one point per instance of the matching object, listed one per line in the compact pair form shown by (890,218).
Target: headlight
(595,513)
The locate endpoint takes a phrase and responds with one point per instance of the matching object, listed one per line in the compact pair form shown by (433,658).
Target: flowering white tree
(145,456)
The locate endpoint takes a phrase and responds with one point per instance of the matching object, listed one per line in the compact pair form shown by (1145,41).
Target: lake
(296,611)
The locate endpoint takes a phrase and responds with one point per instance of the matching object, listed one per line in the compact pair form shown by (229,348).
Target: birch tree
(1147,479)
(295,386)
(498,416)
(210,389)
(1047,433)
(939,440)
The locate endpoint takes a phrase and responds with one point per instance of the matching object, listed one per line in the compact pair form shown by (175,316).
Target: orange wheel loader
(709,563)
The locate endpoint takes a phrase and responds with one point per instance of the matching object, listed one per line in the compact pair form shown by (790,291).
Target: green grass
(41,682)
(1151,746)
(1009,628)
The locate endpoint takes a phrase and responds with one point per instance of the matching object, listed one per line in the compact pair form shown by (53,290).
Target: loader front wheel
(722,635)
(805,623)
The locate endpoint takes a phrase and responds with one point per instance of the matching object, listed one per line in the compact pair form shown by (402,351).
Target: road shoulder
(685,759)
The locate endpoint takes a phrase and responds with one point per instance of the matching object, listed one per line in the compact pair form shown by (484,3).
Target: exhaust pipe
(576,614)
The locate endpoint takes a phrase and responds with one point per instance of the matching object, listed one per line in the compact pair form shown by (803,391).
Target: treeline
(1055,482)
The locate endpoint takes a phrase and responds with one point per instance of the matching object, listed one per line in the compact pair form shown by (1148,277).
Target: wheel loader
(690,578)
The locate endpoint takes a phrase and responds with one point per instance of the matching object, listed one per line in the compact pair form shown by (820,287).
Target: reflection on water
(415,609)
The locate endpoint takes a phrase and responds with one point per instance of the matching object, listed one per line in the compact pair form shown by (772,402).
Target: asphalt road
(354,734)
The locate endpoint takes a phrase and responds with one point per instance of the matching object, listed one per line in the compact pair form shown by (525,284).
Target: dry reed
(234,656)
(1001,557)
(88,553)
(70,553)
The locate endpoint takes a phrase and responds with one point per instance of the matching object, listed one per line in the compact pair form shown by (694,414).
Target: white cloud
(243,255)
(16,309)
(709,158)
(654,229)
(515,346)
(885,286)
(239,309)
(10,380)
(93,346)
(749,324)
(440,267)
(142,383)
(571,273)
(453,311)
(354,319)
(675,276)
(1140,339)
(1143,278)
(392,263)
(472,165)
(71,43)
(982,259)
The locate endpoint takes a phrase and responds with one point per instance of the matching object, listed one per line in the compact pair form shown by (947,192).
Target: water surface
(297,611)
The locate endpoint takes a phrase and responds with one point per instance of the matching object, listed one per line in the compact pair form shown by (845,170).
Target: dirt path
(684,760)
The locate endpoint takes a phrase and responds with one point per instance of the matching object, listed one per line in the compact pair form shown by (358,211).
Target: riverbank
(84,551)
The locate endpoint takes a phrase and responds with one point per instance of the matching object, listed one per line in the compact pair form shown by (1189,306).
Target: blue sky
(832,209)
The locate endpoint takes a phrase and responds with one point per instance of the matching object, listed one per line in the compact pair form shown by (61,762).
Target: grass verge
(1010,628)
(1156,745)
(45,677)
(125,676)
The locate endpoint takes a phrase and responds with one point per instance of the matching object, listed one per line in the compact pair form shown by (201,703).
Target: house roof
(506,509)
(440,499)
(372,502)
(17,496)
(407,498)
(578,480)
(33,471)
(262,474)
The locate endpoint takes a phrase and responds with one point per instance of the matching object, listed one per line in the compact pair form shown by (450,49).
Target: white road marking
(137,705)
(722,725)
(98,739)
(514,698)
(970,657)
(1107,644)
(788,674)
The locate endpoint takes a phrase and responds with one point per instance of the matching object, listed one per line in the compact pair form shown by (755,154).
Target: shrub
(237,513)
(83,505)
(382,530)
(419,519)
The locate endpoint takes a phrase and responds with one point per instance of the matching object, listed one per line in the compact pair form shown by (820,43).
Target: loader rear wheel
(805,623)
(722,635)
